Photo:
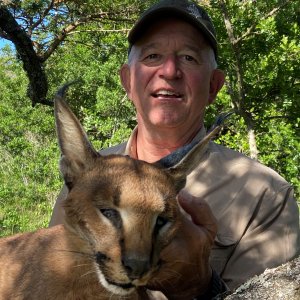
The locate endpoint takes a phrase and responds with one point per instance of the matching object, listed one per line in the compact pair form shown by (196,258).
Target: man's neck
(152,145)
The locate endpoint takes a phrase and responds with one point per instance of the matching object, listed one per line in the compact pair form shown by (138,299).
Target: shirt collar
(131,149)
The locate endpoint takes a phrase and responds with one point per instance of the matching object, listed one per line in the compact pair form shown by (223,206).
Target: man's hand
(185,272)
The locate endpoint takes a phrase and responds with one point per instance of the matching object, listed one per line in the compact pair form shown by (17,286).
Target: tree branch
(99,30)
(31,52)
(70,28)
(250,30)
(238,97)
(43,15)
(38,86)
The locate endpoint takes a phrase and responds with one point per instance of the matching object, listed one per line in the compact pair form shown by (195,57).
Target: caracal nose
(136,267)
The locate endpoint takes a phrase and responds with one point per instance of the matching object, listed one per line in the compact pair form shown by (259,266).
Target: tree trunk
(38,84)
(238,95)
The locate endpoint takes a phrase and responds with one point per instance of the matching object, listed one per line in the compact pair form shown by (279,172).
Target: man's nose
(170,69)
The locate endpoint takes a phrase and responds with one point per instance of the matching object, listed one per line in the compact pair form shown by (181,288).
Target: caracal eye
(160,222)
(112,215)
(109,213)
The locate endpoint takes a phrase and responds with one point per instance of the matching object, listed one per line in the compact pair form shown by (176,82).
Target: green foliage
(29,173)
(97,99)
(268,56)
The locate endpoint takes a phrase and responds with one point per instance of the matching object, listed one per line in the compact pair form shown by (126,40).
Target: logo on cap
(193,10)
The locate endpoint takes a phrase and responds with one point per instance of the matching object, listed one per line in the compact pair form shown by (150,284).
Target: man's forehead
(156,45)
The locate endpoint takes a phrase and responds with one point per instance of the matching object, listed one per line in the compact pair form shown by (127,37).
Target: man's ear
(125,78)
(216,82)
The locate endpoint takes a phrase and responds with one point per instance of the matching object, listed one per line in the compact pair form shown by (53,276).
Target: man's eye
(151,57)
(189,58)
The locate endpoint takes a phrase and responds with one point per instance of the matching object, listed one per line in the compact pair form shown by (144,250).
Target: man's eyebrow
(148,47)
(192,48)
(154,46)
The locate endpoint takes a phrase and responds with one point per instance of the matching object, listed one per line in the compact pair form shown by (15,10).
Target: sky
(4,42)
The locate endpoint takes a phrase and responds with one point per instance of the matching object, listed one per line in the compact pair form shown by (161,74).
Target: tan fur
(112,234)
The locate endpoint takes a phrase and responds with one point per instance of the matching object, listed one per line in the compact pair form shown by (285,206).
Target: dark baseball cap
(185,10)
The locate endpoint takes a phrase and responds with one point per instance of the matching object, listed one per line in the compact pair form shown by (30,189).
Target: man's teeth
(167,93)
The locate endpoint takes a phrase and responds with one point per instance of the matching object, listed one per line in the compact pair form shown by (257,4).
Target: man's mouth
(167,94)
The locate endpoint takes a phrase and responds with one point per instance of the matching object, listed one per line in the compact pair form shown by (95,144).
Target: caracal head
(124,209)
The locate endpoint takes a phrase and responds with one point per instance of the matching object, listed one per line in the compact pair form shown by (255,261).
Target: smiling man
(171,77)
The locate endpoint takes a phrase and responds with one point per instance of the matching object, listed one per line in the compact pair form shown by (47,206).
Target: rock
(279,283)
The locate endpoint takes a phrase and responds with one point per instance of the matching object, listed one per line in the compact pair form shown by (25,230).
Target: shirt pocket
(221,252)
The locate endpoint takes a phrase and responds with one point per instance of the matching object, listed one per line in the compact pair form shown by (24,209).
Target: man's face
(170,77)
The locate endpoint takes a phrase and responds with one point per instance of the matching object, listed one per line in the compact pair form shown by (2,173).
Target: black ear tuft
(175,157)
(181,162)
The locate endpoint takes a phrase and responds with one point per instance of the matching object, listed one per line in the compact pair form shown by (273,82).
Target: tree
(38,28)
(251,30)
(259,50)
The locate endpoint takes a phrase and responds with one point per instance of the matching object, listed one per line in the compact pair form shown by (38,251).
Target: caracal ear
(181,162)
(77,153)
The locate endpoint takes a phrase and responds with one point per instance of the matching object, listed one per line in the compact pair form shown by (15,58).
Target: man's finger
(199,211)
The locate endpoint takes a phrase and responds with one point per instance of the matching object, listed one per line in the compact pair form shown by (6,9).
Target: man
(171,77)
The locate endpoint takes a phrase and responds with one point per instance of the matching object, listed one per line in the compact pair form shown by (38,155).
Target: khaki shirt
(258,217)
